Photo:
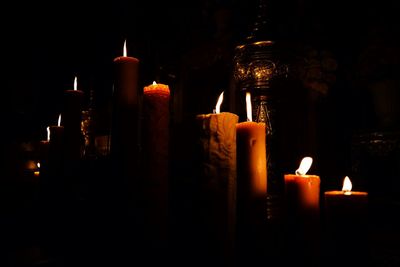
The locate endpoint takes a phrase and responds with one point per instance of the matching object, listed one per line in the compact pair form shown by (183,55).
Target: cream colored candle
(217,179)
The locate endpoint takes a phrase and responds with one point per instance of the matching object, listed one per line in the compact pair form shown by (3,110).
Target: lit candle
(346,214)
(302,231)
(251,188)
(302,190)
(57,148)
(72,119)
(125,118)
(156,120)
(37,172)
(251,151)
(217,170)
(346,207)
(44,153)
(346,199)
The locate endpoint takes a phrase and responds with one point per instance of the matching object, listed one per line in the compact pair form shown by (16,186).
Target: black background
(45,45)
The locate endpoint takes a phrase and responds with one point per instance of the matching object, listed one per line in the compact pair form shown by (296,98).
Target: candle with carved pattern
(156,120)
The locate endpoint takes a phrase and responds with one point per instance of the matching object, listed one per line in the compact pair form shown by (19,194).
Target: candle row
(234,173)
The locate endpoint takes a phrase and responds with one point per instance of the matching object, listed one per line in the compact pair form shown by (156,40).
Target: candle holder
(261,69)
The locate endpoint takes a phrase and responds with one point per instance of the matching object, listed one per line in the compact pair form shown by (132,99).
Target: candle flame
(305,165)
(125,53)
(347,186)
(48,133)
(38,165)
(59,120)
(154,83)
(248,107)
(76,83)
(219,102)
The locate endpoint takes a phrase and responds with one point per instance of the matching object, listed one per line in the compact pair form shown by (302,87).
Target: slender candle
(217,171)
(44,154)
(252,162)
(125,117)
(251,188)
(57,148)
(156,119)
(156,127)
(72,119)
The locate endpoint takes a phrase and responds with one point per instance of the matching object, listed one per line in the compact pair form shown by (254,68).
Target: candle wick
(298,173)
(214,111)
(347,192)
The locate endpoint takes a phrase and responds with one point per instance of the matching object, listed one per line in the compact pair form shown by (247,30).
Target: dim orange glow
(305,165)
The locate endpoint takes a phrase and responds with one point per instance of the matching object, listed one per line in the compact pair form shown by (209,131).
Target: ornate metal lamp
(260,68)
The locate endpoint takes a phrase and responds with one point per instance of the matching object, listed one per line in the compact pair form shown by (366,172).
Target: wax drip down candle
(216,199)
(302,193)
(251,187)
(346,215)
(124,147)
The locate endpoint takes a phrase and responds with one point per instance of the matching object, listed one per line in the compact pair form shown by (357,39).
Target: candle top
(250,124)
(123,59)
(215,114)
(157,88)
(346,193)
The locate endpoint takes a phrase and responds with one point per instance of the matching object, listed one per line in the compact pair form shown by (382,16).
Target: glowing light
(125,53)
(76,83)
(347,186)
(248,107)
(48,133)
(305,165)
(219,102)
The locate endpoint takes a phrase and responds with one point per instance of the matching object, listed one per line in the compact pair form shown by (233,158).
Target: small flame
(125,53)
(154,83)
(76,83)
(347,186)
(59,120)
(48,133)
(219,102)
(305,165)
(38,165)
(248,107)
